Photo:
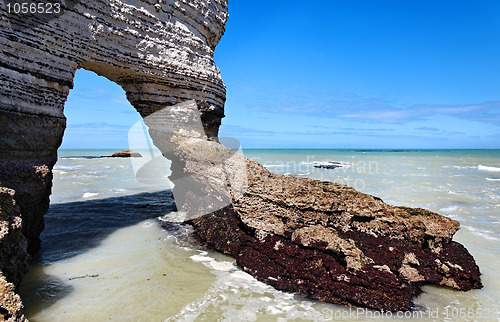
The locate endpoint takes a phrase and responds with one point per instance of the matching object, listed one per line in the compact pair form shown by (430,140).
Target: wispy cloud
(384,112)
(428,129)
(99,126)
(101,96)
(235,130)
(363,109)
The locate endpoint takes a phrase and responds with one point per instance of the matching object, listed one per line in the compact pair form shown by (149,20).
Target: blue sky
(337,74)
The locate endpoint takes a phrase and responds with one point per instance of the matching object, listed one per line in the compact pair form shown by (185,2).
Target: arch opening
(100,122)
(99,208)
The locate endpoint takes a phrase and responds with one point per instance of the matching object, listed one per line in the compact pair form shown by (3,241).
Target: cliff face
(160,52)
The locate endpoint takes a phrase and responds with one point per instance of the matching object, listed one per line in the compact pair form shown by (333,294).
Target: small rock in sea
(330,165)
(126,154)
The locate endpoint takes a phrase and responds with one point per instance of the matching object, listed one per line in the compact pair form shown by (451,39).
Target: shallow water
(112,252)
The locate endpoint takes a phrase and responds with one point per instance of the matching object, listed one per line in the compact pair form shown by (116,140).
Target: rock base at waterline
(332,243)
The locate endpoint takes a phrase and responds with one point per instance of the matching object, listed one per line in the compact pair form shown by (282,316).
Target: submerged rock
(328,165)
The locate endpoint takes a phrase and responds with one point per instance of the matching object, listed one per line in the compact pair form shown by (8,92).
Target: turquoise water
(113,251)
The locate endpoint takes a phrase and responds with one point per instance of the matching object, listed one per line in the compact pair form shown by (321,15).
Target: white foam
(273,310)
(66,167)
(493,179)
(481,232)
(267,166)
(232,290)
(174,216)
(222,266)
(201,258)
(87,195)
(87,176)
(488,168)
(242,275)
(458,167)
(148,224)
(450,209)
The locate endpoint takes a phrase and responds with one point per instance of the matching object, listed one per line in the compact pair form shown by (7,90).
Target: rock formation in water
(126,154)
(324,240)
(331,243)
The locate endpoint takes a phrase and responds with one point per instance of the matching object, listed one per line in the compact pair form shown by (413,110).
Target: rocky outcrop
(11,306)
(126,154)
(324,240)
(328,165)
(160,52)
(13,256)
(329,242)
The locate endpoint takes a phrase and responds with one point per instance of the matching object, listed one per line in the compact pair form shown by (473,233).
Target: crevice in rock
(361,219)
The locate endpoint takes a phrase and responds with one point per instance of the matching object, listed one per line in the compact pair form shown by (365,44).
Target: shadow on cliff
(75,227)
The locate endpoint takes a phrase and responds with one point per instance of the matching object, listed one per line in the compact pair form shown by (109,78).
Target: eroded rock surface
(13,257)
(160,52)
(11,306)
(324,240)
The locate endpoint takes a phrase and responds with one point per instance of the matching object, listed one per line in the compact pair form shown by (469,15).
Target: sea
(112,249)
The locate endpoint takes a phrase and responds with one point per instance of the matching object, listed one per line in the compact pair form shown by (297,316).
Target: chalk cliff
(160,52)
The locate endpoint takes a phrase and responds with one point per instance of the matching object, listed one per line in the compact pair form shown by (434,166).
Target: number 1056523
(33,8)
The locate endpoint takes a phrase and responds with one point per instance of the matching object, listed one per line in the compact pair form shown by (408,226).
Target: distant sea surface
(113,251)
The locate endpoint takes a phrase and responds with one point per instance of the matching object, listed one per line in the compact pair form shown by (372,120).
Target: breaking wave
(488,168)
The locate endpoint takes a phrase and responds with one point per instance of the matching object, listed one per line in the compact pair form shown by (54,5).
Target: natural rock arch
(320,239)
(159,52)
